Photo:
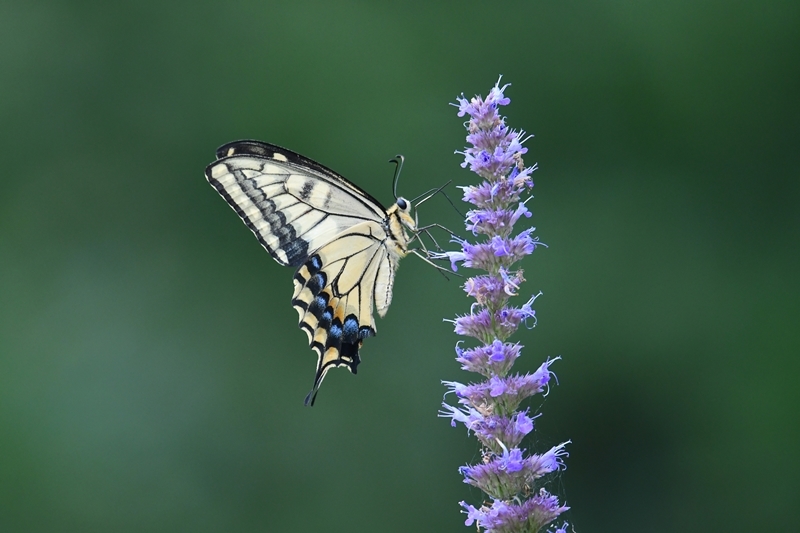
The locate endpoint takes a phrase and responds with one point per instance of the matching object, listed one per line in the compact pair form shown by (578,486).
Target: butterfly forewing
(290,211)
(308,216)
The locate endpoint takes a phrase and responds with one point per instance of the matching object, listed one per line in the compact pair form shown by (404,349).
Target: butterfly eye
(402,203)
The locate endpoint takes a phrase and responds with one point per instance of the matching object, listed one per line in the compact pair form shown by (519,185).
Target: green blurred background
(151,371)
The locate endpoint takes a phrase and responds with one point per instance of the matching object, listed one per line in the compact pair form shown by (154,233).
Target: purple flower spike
(512,478)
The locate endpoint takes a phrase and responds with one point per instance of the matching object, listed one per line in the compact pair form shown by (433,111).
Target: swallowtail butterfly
(343,242)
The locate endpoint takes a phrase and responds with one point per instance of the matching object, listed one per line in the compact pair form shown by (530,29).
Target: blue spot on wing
(350,329)
(316,283)
(317,307)
(326,318)
(314,264)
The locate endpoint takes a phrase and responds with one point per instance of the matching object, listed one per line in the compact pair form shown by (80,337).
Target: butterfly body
(345,245)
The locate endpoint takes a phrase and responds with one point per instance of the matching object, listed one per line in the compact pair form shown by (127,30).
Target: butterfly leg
(444,271)
(435,225)
(426,231)
(422,243)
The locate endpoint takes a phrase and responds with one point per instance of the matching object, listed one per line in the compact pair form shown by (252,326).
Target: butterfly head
(402,210)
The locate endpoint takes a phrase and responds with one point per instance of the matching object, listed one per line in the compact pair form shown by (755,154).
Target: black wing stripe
(294,248)
(250,223)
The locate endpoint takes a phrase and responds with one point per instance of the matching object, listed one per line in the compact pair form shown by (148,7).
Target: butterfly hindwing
(334,296)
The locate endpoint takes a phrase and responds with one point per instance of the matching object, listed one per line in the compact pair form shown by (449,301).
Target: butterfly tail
(345,355)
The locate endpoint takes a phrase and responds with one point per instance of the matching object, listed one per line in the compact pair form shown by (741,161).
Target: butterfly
(345,244)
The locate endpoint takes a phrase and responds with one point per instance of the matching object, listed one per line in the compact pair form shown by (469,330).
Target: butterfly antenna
(431,193)
(453,205)
(397,160)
